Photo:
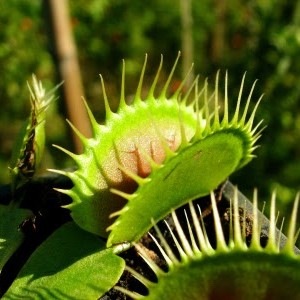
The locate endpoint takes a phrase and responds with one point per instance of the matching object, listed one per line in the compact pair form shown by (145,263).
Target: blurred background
(260,37)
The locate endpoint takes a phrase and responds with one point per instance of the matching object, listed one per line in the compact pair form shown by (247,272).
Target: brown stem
(187,37)
(68,66)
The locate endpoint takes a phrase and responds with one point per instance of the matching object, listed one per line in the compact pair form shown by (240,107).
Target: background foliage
(260,37)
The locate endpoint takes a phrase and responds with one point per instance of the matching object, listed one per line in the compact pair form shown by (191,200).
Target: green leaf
(157,154)
(192,173)
(10,235)
(70,264)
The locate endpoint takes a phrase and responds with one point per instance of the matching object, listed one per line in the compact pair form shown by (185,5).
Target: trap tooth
(250,121)
(154,83)
(221,244)
(216,122)
(175,136)
(118,213)
(182,84)
(225,114)
(122,103)
(124,195)
(238,105)
(163,94)
(184,242)
(74,156)
(81,137)
(138,94)
(207,128)
(139,180)
(243,119)
(289,247)
(108,111)
(187,95)
(95,126)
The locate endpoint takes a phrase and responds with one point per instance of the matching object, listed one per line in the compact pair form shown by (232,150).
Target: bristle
(148,260)
(123,194)
(207,128)
(277,217)
(81,137)
(184,242)
(209,248)
(255,240)
(188,93)
(199,232)
(271,245)
(138,94)
(255,139)
(249,123)
(238,240)
(139,180)
(153,86)
(243,119)
(289,247)
(161,250)
(216,124)
(165,245)
(122,103)
(60,172)
(195,248)
(244,224)
(254,130)
(108,111)
(145,155)
(111,227)
(139,277)
(231,243)
(74,156)
(94,123)
(133,295)
(182,254)
(118,213)
(163,94)
(184,140)
(258,134)
(71,194)
(225,114)
(199,128)
(221,244)
(280,235)
(236,114)
(183,82)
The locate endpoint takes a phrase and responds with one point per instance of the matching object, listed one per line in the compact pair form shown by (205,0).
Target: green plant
(148,159)
(145,150)
(231,270)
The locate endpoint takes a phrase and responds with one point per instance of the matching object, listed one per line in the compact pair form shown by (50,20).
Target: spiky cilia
(231,270)
(155,155)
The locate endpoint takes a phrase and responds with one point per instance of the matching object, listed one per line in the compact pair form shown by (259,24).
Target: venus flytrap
(146,161)
(155,155)
(233,270)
